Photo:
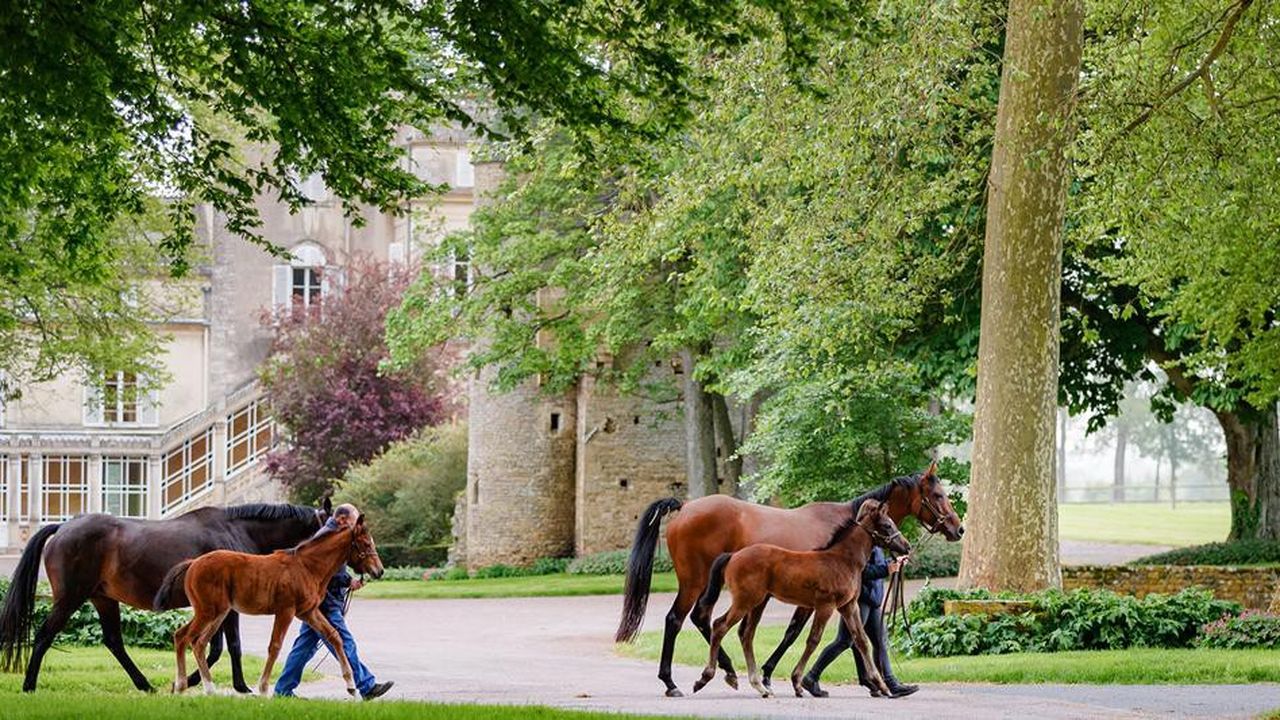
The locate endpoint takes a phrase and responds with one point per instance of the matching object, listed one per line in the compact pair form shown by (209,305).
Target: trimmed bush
(398,555)
(1059,621)
(1236,552)
(1249,629)
(935,559)
(614,562)
(405,573)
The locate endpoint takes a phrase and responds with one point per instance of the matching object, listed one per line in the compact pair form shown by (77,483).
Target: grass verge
(560,585)
(142,707)
(1145,523)
(1138,666)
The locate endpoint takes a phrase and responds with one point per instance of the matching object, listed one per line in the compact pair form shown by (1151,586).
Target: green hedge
(1059,621)
(1250,629)
(934,559)
(614,562)
(1235,552)
(141,628)
(398,555)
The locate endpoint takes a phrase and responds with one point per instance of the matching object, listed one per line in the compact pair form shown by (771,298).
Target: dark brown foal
(825,581)
(286,584)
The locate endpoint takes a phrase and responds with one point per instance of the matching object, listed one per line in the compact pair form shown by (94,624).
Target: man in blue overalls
(308,642)
(869,600)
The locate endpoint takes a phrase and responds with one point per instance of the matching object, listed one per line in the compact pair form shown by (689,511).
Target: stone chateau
(548,476)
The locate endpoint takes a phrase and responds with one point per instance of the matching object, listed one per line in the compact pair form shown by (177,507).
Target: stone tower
(520,460)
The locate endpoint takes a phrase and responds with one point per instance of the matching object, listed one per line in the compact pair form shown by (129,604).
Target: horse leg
(231,631)
(702,620)
(215,651)
(722,626)
(207,630)
(675,618)
(63,608)
(798,619)
(109,619)
(181,638)
(278,630)
(849,614)
(820,618)
(747,635)
(321,625)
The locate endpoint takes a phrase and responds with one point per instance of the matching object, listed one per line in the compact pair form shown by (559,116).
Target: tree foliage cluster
(815,242)
(335,403)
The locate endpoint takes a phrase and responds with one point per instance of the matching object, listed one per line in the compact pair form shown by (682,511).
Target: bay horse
(715,524)
(287,584)
(819,581)
(109,560)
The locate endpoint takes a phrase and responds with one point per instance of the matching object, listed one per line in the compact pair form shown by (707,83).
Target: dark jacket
(335,595)
(873,576)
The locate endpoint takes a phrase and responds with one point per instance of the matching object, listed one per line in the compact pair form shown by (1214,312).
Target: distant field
(1146,523)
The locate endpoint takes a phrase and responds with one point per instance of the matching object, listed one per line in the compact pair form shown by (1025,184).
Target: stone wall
(520,474)
(630,453)
(1252,587)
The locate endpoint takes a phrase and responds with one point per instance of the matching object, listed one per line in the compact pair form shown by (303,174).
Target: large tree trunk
(1253,472)
(728,445)
(1117,479)
(1012,540)
(699,434)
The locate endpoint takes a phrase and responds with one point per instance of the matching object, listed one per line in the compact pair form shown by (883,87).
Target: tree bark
(699,433)
(728,445)
(1253,472)
(1012,525)
(1117,481)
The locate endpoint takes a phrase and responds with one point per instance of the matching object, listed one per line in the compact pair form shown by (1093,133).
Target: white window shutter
(149,408)
(332,279)
(395,252)
(281,290)
(92,403)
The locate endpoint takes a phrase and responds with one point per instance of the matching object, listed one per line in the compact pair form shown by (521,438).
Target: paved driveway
(559,651)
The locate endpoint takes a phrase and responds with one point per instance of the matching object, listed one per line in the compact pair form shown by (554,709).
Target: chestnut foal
(286,583)
(825,581)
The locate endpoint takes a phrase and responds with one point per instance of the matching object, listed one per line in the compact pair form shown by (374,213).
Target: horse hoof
(731,681)
(698,685)
(243,689)
(674,692)
(766,693)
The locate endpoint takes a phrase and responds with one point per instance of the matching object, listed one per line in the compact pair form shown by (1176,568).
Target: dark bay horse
(819,581)
(287,584)
(715,524)
(108,560)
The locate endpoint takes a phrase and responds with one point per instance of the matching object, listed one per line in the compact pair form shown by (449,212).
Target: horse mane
(880,494)
(325,531)
(268,511)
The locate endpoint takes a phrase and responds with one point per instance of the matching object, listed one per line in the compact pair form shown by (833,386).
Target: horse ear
(360,520)
(327,506)
(932,471)
(869,506)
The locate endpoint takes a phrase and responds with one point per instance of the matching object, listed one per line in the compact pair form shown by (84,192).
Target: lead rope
(895,597)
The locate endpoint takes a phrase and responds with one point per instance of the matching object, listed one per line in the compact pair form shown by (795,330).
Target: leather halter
(938,517)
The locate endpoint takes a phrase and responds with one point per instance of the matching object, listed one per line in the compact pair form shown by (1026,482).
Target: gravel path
(558,652)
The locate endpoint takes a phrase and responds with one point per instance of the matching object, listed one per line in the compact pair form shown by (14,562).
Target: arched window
(304,281)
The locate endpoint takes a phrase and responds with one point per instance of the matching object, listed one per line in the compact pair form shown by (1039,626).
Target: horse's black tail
(18,615)
(640,568)
(715,581)
(173,580)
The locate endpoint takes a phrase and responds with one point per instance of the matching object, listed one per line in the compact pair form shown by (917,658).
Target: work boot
(897,689)
(810,684)
(378,690)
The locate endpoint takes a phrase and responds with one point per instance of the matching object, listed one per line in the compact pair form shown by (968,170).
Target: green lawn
(143,707)
(1146,523)
(1124,667)
(87,683)
(94,670)
(537,586)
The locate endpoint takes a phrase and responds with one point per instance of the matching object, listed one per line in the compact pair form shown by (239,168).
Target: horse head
(364,554)
(932,507)
(874,518)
